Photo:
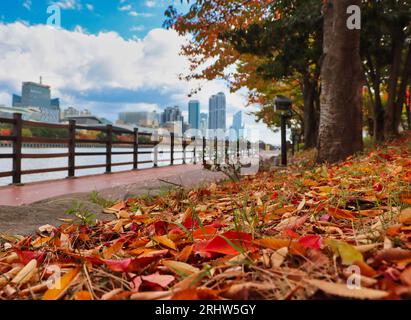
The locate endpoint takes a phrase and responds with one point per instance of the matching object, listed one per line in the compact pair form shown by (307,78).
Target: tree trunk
(390,126)
(401,99)
(340,131)
(310,114)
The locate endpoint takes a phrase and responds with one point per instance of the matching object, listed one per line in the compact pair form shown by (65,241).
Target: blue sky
(129,18)
(109,56)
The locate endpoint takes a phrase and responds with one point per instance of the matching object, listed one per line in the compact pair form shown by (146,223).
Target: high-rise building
(194,114)
(38,95)
(142,118)
(203,123)
(171,114)
(217,112)
(238,123)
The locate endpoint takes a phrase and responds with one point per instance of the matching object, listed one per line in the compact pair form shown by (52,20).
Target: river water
(30,164)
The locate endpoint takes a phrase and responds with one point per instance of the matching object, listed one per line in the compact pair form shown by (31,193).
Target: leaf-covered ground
(308,232)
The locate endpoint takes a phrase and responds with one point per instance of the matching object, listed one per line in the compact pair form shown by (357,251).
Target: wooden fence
(18,139)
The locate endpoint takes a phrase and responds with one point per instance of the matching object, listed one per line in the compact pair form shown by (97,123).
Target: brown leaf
(406,276)
(342,290)
(405,216)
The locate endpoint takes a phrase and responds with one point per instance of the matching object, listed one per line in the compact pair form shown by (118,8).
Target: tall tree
(340,132)
(270,42)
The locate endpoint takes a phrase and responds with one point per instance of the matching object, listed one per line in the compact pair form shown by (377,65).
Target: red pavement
(33,192)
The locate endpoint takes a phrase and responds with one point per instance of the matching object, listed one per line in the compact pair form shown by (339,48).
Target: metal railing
(72,140)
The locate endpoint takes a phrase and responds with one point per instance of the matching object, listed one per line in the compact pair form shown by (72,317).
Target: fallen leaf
(165,241)
(61,285)
(83,295)
(342,290)
(406,276)
(405,216)
(347,252)
(311,241)
(26,273)
(159,279)
(180,267)
(231,243)
(278,257)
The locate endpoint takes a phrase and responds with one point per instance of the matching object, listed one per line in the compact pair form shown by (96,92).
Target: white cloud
(27,4)
(76,63)
(140,14)
(67,4)
(125,8)
(89,7)
(137,28)
(150,3)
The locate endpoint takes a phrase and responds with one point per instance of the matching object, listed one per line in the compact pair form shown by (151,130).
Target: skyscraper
(217,112)
(38,95)
(194,114)
(203,123)
(238,123)
(171,114)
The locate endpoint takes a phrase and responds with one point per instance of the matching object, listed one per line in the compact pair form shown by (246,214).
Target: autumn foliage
(293,233)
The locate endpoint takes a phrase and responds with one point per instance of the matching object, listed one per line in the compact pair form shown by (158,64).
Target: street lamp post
(283,106)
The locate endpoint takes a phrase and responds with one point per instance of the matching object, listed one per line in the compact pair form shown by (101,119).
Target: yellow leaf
(342,290)
(61,286)
(348,253)
(40,241)
(165,241)
(180,267)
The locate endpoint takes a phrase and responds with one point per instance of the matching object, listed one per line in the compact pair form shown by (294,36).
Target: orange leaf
(165,241)
(83,295)
(278,243)
(340,213)
(185,253)
(61,286)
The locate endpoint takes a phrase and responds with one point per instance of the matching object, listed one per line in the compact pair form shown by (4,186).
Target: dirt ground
(24,220)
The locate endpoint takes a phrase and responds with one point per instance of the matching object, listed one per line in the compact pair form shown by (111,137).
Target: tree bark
(310,114)
(340,131)
(405,76)
(390,126)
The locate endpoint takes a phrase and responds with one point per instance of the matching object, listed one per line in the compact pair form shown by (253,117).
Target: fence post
(72,148)
(17,144)
(172,143)
(204,150)
(155,151)
(238,150)
(215,151)
(135,151)
(195,149)
(184,150)
(226,147)
(109,145)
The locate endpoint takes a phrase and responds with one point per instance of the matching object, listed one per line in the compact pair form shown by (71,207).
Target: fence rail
(17,139)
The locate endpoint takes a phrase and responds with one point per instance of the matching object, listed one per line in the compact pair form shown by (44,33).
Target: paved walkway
(24,208)
(38,191)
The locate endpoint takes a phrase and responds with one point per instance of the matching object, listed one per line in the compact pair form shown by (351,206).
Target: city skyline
(101,65)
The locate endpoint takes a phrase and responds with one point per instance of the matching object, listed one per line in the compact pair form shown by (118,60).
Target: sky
(108,56)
